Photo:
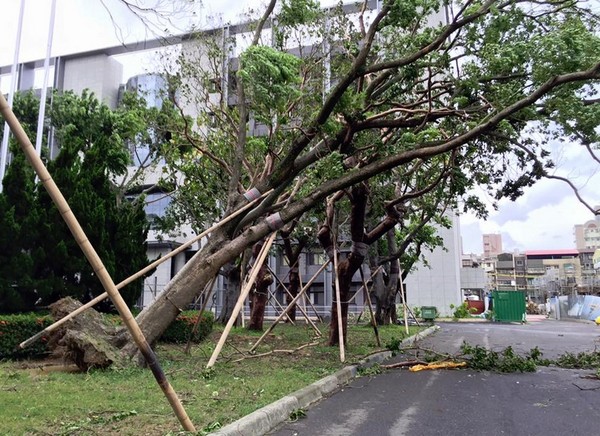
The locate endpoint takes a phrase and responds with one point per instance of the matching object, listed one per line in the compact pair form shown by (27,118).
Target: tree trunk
(231,293)
(260,293)
(293,288)
(292,255)
(184,287)
(386,292)
(345,271)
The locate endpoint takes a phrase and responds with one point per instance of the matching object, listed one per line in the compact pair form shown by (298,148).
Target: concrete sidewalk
(267,418)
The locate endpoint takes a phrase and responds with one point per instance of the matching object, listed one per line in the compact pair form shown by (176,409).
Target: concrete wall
(438,285)
(99,73)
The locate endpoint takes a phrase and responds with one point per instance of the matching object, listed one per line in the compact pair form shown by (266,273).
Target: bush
(462,311)
(14,329)
(180,330)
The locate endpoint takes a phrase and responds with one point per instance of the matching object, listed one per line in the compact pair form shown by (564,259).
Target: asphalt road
(551,401)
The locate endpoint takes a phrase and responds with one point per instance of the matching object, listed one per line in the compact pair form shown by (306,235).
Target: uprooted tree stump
(88,339)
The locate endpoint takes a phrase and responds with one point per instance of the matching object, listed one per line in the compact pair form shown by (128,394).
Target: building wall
(587,235)
(99,73)
(492,244)
(439,284)
(473,280)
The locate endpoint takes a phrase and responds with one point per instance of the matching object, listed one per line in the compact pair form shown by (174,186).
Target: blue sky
(542,219)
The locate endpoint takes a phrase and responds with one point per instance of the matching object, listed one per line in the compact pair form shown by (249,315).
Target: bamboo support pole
(403,302)
(287,309)
(413,315)
(238,306)
(310,303)
(364,286)
(338,304)
(208,290)
(308,320)
(277,306)
(137,275)
(96,263)
(373,322)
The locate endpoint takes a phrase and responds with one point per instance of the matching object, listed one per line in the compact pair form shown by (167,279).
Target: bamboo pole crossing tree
(242,298)
(289,307)
(140,273)
(96,263)
(371,314)
(303,310)
(338,303)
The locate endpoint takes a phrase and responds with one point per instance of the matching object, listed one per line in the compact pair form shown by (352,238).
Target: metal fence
(585,307)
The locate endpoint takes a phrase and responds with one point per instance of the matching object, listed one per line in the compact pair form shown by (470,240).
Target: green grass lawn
(36,400)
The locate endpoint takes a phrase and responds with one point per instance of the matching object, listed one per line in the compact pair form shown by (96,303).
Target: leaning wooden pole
(240,302)
(137,275)
(289,307)
(363,286)
(371,314)
(208,291)
(285,288)
(95,262)
(277,305)
(310,302)
(405,312)
(338,304)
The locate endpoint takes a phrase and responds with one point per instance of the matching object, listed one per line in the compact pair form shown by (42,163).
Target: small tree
(93,142)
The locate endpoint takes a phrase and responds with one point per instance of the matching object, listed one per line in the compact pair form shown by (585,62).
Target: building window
(316,258)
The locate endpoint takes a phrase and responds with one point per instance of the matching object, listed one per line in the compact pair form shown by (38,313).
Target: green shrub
(14,329)
(462,311)
(180,330)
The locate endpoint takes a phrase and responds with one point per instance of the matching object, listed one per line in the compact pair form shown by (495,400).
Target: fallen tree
(380,92)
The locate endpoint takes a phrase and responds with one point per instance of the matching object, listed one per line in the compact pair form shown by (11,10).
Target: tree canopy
(308,101)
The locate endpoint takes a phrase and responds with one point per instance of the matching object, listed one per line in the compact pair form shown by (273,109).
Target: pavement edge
(267,418)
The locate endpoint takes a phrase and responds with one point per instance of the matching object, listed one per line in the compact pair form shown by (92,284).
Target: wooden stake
(338,303)
(373,322)
(287,309)
(208,290)
(413,315)
(308,320)
(363,286)
(96,263)
(310,303)
(403,300)
(277,306)
(236,310)
(137,275)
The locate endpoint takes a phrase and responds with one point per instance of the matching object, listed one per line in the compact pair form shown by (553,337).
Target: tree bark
(386,292)
(292,255)
(260,293)
(231,293)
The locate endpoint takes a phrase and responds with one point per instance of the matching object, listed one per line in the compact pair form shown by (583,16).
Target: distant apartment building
(492,244)
(587,235)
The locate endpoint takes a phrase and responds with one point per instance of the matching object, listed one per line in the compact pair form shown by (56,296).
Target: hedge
(180,330)
(14,329)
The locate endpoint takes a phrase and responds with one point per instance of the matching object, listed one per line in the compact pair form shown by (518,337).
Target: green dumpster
(428,313)
(509,306)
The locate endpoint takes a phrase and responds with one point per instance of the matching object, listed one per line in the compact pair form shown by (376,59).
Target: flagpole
(11,94)
(42,111)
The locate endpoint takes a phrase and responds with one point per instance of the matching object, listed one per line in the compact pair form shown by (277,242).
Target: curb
(267,418)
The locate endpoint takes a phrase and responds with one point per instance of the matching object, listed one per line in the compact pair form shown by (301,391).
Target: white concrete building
(439,283)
